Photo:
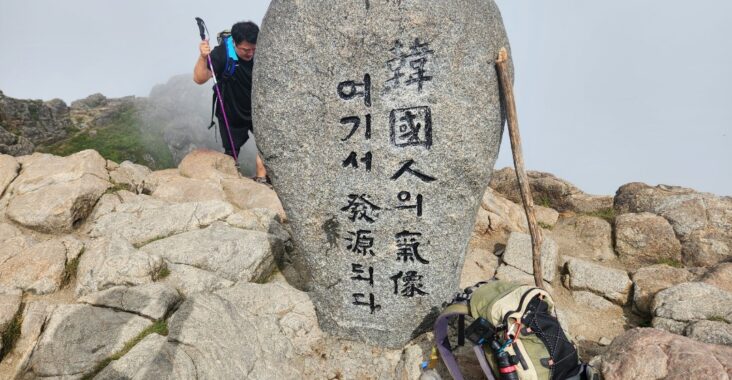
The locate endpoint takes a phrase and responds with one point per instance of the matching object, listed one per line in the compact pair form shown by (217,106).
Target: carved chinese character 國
(411,127)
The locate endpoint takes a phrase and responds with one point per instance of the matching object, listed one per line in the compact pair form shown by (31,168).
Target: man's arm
(201,73)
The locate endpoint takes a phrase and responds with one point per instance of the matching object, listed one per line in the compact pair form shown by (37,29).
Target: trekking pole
(518,161)
(204,31)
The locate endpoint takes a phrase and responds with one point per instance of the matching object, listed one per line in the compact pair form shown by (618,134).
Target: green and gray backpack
(515,332)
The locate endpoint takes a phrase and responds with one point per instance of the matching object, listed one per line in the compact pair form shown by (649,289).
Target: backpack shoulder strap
(443,342)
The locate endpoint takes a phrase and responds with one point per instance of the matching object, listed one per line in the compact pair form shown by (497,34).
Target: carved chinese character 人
(358,300)
(350,89)
(408,247)
(413,59)
(360,242)
(407,168)
(358,269)
(361,209)
(356,121)
(352,160)
(406,196)
(412,284)
(411,127)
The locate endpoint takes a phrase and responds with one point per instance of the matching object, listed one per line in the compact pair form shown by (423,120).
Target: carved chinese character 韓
(411,127)
(413,59)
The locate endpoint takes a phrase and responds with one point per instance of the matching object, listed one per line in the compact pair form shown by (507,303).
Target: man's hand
(204,48)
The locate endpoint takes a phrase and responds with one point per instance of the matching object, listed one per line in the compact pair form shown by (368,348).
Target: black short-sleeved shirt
(236,90)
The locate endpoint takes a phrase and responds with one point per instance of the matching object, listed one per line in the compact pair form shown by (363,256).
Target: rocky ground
(110,270)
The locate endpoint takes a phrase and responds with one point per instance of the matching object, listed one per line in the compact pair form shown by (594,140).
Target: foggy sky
(608,92)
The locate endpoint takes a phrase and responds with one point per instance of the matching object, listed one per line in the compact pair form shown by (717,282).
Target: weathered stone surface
(38,269)
(247,194)
(12,242)
(78,337)
(509,273)
(690,302)
(130,176)
(148,220)
(153,358)
(113,261)
(231,253)
(188,280)
(149,300)
(545,216)
(650,354)
(35,316)
(518,254)
(309,165)
(584,236)
(645,238)
(9,306)
(499,216)
(182,189)
(208,165)
(207,328)
(612,284)
(480,265)
(650,280)
(55,194)
(157,177)
(548,189)
(593,301)
(712,332)
(701,221)
(9,169)
(29,122)
(259,219)
(720,276)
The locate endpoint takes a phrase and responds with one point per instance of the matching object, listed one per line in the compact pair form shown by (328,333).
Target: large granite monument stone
(379,122)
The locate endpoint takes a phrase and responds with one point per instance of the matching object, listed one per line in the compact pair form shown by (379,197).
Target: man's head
(245,38)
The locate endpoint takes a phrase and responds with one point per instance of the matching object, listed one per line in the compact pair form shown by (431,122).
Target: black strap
(213,111)
(461,331)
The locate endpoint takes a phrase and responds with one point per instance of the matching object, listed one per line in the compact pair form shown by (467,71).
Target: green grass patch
(606,213)
(11,335)
(671,262)
(125,137)
(159,327)
(70,270)
(165,272)
(544,201)
(545,226)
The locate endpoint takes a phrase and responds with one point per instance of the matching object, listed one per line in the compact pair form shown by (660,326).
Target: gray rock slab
(593,301)
(645,238)
(584,236)
(183,189)
(480,265)
(188,280)
(646,354)
(509,273)
(519,254)
(35,317)
(428,132)
(78,337)
(650,280)
(149,300)
(720,276)
(693,301)
(56,194)
(147,220)
(38,269)
(231,253)
(153,358)
(9,306)
(130,176)
(246,194)
(613,284)
(712,332)
(208,165)
(259,219)
(113,261)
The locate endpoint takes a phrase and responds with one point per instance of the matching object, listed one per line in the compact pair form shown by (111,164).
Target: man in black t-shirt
(236,89)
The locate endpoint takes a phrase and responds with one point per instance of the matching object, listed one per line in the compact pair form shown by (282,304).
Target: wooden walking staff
(518,161)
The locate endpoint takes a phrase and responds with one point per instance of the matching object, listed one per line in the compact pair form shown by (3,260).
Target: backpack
(232,60)
(515,332)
